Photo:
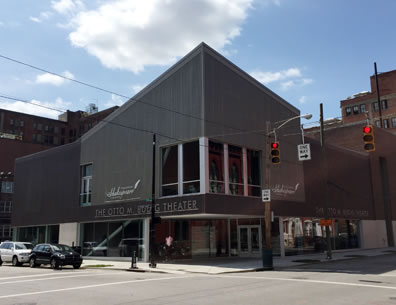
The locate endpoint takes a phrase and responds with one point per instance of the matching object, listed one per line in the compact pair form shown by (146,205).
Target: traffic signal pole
(324,175)
(152,225)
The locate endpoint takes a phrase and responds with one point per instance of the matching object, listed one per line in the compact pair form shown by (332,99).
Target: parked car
(54,255)
(15,252)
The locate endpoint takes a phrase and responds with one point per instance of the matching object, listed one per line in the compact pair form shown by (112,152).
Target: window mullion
(226,170)
(180,167)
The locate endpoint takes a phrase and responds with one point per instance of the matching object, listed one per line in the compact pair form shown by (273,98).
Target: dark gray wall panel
(47,187)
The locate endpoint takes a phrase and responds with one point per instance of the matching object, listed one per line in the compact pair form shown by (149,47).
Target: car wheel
(15,261)
(54,263)
(1,261)
(77,266)
(32,262)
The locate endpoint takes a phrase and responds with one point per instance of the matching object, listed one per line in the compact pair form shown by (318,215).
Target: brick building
(24,134)
(364,105)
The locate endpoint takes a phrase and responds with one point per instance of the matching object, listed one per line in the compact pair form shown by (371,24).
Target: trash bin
(267,259)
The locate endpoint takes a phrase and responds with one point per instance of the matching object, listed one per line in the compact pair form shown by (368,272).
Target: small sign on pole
(304,152)
(266,195)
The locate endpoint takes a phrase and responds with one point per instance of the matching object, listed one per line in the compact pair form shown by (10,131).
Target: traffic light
(368,138)
(275,153)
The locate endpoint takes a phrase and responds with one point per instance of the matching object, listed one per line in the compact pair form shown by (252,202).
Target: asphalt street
(358,281)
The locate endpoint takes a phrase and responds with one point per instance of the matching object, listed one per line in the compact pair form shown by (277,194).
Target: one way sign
(304,152)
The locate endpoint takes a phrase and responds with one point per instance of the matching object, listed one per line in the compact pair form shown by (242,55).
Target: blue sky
(306,51)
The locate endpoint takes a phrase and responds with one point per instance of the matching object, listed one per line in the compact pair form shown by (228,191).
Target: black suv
(54,255)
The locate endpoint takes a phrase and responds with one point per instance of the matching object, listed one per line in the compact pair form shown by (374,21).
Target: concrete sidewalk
(229,265)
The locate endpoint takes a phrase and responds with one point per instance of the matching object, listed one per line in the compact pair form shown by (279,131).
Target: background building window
(386,123)
(393,122)
(253,173)
(5,206)
(235,169)
(216,167)
(377,123)
(375,107)
(363,108)
(170,179)
(384,104)
(348,111)
(86,184)
(191,164)
(356,109)
(7,186)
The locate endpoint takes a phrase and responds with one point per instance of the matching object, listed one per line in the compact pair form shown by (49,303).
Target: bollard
(133,265)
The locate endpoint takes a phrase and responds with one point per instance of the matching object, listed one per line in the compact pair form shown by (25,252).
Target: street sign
(266,195)
(304,152)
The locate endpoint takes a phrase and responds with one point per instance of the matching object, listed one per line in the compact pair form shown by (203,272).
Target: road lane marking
(92,286)
(61,277)
(307,281)
(37,275)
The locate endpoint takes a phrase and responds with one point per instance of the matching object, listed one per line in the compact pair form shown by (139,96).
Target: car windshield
(20,246)
(62,248)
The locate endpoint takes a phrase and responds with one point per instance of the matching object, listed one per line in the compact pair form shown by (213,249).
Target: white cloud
(287,85)
(302,99)
(269,77)
(51,79)
(37,110)
(288,78)
(43,16)
(35,19)
(115,101)
(138,87)
(134,34)
(67,7)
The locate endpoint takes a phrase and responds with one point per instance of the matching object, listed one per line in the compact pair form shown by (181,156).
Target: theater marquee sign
(163,208)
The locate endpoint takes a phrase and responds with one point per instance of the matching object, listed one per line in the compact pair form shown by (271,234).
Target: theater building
(209,119)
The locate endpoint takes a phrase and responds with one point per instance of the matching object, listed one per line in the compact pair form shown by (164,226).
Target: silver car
(15,252)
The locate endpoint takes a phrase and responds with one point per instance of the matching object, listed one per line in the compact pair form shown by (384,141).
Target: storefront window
(235,169)
(169,158)
(253,172)
(216,167)
(191,167)
(113,239)
(306,235)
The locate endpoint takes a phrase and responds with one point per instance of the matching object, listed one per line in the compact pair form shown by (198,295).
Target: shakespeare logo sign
(121,193)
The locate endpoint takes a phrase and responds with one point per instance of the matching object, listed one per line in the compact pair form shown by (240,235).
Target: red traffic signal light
(368,138)
(275,153)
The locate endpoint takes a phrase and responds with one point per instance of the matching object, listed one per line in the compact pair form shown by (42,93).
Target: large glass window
(363,108)
(253,173)
(235,169)
(86,184)
(169,158)
(7,186)
(191,168)
(393,122)
(5,206)
(384,104)
(113,239)
(216,167)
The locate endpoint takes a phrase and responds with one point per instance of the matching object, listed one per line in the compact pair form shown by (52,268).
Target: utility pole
(378,95)
(324,175)
(152,225)
(267,252)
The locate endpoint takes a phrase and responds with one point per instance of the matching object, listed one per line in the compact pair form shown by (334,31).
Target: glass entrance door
(249,240)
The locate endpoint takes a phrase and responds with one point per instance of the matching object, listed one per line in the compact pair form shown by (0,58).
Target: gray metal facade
(203,95)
